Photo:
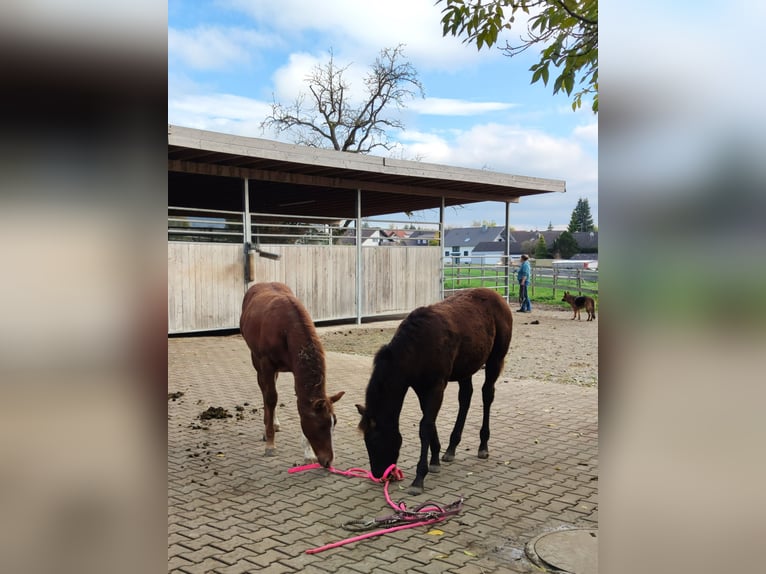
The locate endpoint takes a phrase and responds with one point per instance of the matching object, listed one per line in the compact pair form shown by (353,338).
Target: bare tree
(327,116)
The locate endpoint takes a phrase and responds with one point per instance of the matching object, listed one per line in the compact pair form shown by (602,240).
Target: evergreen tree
(541,250)
(581,220)
(565,245)
(550,226)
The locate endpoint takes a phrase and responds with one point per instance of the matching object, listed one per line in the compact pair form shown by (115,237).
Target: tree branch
(581,18)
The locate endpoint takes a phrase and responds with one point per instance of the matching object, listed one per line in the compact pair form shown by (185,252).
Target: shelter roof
(472,236)
(205,170)
(586,239)
(490,247)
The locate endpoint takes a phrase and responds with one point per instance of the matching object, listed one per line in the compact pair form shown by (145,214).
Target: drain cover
(570,551)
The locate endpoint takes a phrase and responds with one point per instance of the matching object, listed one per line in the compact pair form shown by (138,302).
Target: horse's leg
(267,383)
(492,371)
(435,446)
(276,418)
(430,403)
(464,402)
(308,453)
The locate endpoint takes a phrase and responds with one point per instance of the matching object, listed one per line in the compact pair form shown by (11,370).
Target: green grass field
(541,290)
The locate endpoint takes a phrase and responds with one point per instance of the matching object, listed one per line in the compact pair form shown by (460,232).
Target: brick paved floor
(231,509)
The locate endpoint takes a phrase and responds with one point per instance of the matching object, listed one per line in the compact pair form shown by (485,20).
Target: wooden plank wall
(322,277)
(399,279)
(205,286)
(206,281)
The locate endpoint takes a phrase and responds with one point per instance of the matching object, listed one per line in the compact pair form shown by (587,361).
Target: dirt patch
(546,346)
(357,340)
(214,413)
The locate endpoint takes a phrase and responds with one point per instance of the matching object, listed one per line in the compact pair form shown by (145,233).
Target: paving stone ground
(232,509)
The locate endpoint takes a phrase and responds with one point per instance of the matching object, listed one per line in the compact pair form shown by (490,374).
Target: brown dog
(579,303)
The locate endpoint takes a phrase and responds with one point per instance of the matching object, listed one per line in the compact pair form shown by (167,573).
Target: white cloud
(453,107)
(361,29)
(290,79)
(587,133)
(510,149)
(428,147)
(222,105)
(211,47)
(226,113)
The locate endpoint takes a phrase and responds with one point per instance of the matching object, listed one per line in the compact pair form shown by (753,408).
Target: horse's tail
(503,333)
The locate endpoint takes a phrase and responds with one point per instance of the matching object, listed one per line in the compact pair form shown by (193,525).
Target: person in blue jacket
(523,276)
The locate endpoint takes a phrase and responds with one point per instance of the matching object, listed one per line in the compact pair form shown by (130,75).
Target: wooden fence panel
(205,282)
(399,279)
(322,277)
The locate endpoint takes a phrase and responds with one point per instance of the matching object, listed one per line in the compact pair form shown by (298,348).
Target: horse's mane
(311,359)
(413,326)
(377,392)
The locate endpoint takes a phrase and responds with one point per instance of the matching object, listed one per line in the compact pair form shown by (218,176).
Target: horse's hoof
(434,468)
(448,457)
(415,490)
(271,452)
(483,454)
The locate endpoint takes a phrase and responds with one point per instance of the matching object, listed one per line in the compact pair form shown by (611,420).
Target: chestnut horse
(282,338)
(446,341)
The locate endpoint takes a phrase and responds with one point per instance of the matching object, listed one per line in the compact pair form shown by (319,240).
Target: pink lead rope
(423,515)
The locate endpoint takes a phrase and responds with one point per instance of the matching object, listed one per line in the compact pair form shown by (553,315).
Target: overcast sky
(228,60)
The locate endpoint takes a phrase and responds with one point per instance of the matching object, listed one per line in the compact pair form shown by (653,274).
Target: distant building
(587,241)
(459,243)
(370,237)
(419,237)
(487,244)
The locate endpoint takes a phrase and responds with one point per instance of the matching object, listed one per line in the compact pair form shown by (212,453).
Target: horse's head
(382,439)
(318,423)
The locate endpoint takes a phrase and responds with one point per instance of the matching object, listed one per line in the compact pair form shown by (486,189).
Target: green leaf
(557,84)
(569,83)
(568,41)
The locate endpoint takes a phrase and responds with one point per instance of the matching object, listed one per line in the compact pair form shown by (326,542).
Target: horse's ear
(366,424)
(336,397)
(319,404)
